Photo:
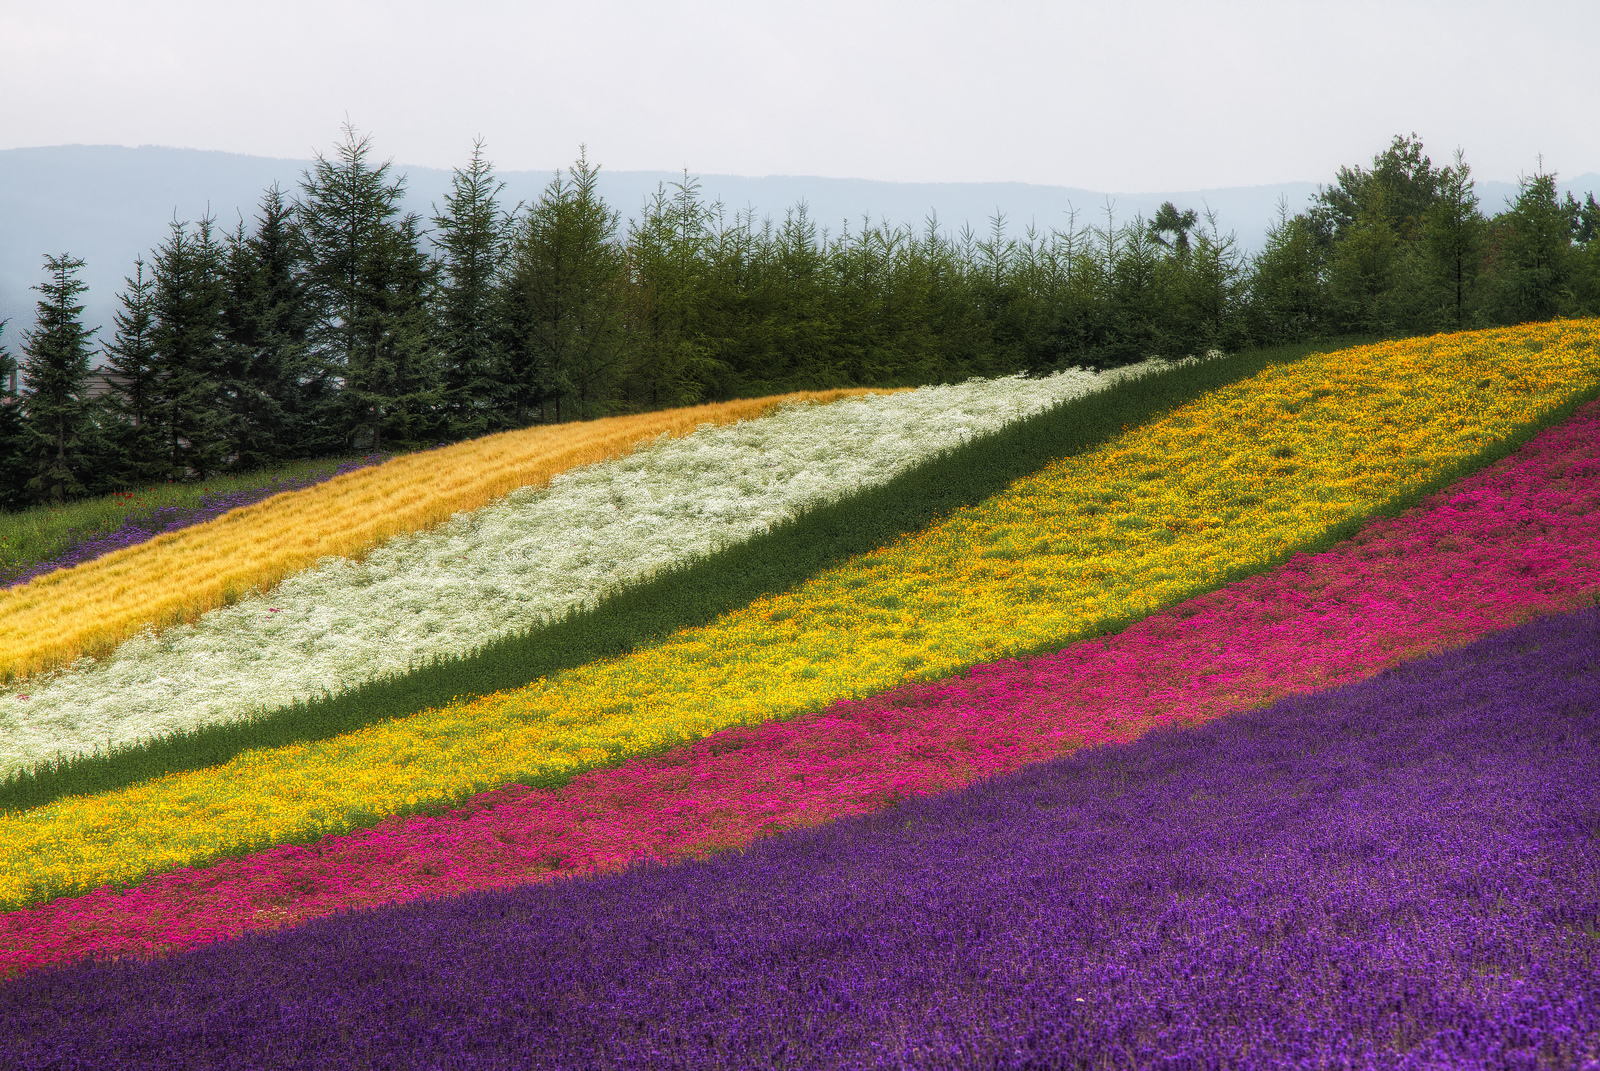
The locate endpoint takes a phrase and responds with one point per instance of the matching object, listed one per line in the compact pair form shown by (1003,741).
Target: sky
(1124,96)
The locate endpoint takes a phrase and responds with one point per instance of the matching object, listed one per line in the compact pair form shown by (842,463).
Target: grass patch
(43,533)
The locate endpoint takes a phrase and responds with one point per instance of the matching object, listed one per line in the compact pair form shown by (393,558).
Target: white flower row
(513,564)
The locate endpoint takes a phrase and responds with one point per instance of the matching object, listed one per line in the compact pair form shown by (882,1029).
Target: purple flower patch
(1400,873)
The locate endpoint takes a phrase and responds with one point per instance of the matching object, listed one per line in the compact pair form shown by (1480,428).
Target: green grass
(691,595)
(46,532)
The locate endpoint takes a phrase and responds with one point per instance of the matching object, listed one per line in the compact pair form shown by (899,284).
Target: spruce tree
(567,273)
(58,425)
(13,472)
(1453,234)
(281,385)
(472,236)
(402,388)
(369,287)
(195,407)
(136,387)
(668,260)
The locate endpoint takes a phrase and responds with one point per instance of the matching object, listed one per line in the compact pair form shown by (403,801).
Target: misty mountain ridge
(111,204)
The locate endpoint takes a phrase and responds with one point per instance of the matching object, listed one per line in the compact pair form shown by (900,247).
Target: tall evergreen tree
(472,236)
(1286,296)
(403,386)
(369,293)
(566,277)
(58,423)
(281,386)
(196,408)
(13,470)
(668,257)
(136,388)
(1535,262)
(1453,233)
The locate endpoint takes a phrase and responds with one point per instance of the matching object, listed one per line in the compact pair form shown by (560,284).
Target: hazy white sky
(1124,96)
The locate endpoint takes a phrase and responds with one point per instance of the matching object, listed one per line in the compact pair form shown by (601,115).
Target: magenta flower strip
(1518,539)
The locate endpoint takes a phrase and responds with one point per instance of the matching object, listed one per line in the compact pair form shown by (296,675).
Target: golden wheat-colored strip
(89,609)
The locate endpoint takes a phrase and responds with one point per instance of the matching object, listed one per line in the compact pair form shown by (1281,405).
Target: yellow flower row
(1235,478)
(93,607)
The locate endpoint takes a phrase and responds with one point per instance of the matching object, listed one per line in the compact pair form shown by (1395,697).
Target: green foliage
(1533,252)
(192,366)
(281,384)
(59,435)
(369,285)
(1453,232)
(566,273)
(472,235)
(1397,192)
(329,329)
(132,360)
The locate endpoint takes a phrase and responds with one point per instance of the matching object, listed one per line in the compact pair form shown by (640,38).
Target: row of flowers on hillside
(1511,541)
(517,563)
(1233,481)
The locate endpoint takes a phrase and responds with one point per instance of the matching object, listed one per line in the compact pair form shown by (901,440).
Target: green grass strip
(689,596)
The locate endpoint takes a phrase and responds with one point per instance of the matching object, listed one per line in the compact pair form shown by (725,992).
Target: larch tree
(58,425)
(471,236)
(566,275)
(136,387)
(1453,233)
(369,287)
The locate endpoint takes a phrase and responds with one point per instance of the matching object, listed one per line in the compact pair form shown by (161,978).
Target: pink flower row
(1515,540)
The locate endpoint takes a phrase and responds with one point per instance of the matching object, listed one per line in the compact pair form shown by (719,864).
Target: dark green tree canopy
(1398,191)
(369,287)
(1169,221)
(58,423)
(566,274)
(472,235)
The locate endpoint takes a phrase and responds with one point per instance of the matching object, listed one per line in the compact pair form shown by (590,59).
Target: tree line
(337,322)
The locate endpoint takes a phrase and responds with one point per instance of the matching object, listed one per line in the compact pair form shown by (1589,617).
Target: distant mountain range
(110,204)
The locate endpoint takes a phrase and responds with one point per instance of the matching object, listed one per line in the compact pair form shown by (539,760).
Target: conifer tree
(196,405)
(402,387)
(58,426)
(667,260)
(13,473)
(472,238)
(1453,232)
(369,288)
(1535,244)
(282,387)
(136,387)
(567,271)
(1287,299)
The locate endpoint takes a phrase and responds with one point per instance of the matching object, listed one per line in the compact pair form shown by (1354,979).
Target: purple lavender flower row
(146,525)
(1401,873)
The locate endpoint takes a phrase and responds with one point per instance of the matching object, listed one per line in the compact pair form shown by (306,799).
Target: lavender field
(1400,873)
